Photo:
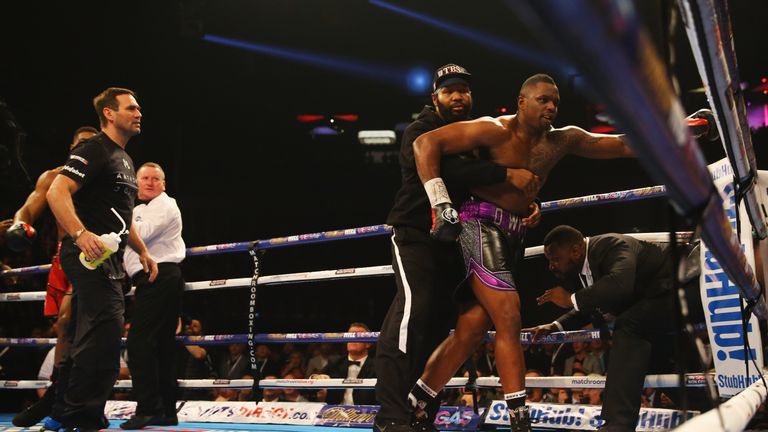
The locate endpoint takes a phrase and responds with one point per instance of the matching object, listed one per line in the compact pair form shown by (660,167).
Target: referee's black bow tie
(354,362)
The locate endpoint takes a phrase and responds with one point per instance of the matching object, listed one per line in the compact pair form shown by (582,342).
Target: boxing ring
(633,85)
(222,414)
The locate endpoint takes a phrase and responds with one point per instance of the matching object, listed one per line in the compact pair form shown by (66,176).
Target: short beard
(449,117)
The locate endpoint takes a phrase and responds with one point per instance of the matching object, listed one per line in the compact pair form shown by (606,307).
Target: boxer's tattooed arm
(544,157)
(598,146)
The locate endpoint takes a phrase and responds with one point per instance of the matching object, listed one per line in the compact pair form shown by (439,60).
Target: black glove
(445,223)
(710,131)
(19,236)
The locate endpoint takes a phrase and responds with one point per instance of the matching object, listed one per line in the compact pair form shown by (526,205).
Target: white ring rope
(651,381)
(348,273)
(736,412)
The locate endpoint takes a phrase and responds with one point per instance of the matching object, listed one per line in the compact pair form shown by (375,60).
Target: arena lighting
(376,137)
(346,117)
(309,118)
(419,80)
(396,76)
(325,131)
(493,43)
(313,118)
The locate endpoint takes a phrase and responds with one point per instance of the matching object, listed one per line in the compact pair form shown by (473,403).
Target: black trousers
(152,340)
(419,318)
(89,368)
(644,340)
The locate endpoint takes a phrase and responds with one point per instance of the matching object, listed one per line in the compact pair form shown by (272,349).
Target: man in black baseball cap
(450,74)
(451,93)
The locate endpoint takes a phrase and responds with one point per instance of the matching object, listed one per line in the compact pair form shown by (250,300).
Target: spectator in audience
(487,364)
(225,394)
(594,396)
(285,352)
(537,357)
(292,395)
(198,364)
(320,358)
(294,365)
(321,395)
(535,394)
(655,398)
(600,350)
(235,364)
(557,395)
(271,395)
(557,356)
(245,394)
(587,361)
(465,398)
(265,362)
(356,364)
(577,394)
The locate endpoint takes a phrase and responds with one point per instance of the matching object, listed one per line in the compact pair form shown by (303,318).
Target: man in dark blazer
(620,277)
(357,364)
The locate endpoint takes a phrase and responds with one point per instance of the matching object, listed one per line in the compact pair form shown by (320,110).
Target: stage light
(309,118)
(419,81)
(392,75)
(347,117)
(325,131)
(376,137)
(486,40)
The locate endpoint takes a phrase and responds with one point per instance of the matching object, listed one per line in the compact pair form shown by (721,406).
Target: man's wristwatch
(77,234)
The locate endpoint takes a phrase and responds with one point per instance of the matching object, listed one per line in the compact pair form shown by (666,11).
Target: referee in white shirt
(151,341)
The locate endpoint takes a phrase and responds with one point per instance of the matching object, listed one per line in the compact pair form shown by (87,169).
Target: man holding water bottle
(92,199)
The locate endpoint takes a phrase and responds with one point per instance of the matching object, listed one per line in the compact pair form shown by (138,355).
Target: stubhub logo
(724,302)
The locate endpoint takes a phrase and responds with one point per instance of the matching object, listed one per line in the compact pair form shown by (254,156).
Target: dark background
(222,121)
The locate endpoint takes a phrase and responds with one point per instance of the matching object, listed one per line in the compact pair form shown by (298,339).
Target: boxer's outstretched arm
(597,146)
(36,201)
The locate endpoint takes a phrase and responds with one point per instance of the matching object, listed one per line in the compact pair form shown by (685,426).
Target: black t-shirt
(411,206)
(107,180)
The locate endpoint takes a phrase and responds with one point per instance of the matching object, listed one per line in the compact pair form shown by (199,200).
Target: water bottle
(111,242)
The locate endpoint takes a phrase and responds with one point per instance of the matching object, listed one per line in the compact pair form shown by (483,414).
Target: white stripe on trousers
(403,335)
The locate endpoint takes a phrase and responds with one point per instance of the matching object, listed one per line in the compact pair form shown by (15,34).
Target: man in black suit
(265,362)
(357,364)
(630,280)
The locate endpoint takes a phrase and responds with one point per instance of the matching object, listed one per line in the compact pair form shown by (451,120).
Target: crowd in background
(317,360)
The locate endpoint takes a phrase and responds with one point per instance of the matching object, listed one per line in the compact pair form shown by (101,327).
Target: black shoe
(139,422)
(167,421)
(392,426)
(36,412)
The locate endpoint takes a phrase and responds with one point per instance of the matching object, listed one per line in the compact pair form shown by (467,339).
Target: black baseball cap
(450,74)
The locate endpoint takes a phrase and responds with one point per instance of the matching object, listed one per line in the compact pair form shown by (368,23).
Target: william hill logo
(347,415)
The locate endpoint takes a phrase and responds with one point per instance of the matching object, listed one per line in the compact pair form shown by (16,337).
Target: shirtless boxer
(492,234)
(58,290)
